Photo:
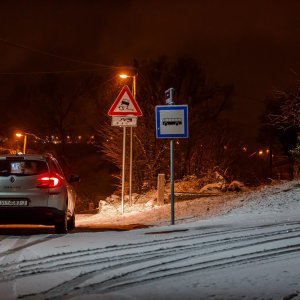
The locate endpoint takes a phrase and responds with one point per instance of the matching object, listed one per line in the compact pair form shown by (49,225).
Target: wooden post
(161,189)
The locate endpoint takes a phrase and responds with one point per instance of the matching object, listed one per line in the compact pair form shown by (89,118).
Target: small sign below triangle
(125,104)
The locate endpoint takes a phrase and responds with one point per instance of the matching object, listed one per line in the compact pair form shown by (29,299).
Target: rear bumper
(31,215)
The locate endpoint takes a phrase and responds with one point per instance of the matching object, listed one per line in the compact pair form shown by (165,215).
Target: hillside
(145,210)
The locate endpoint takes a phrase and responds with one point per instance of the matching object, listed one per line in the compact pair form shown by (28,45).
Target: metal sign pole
(130,169)
(171,122)
(172,181)
(169,96)
(131,136)
(123,166)
(124,112)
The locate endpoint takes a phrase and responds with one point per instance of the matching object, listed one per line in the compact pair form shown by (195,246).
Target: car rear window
(22,167)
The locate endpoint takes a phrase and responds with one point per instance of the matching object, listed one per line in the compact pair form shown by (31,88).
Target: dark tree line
(281,123)
(54,104)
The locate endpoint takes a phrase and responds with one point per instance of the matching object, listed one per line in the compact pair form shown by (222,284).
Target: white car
(34,190)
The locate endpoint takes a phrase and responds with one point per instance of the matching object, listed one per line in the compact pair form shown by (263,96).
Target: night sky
(254,45)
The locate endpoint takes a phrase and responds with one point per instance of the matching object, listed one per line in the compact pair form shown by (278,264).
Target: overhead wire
(50,72)
(61,57)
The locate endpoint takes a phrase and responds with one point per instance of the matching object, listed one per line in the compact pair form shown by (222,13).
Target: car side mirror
(74,178)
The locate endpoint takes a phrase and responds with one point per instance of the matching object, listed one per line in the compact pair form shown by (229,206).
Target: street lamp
(124,76)
(25,134)
(25,140)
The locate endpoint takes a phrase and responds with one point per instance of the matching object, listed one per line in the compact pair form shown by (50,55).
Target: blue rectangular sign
(171,121)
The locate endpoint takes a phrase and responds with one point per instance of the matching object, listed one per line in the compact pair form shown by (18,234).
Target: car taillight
(49,181)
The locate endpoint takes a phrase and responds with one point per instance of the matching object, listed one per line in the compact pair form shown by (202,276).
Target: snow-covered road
(253,252)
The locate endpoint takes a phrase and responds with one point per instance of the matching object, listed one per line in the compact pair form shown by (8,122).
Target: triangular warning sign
(125,105)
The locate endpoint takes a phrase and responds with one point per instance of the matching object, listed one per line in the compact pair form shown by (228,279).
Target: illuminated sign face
(17,167)
(171,121)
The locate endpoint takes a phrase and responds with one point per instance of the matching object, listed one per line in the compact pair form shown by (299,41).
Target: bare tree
(288,114)
(206,103)
(281,123)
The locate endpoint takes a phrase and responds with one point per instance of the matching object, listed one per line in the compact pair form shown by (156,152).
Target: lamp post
(25,134)
(124,76)
(24,141)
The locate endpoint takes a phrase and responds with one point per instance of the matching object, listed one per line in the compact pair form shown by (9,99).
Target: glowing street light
(124,76)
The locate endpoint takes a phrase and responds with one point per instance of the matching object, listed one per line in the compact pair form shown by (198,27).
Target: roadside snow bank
(278,197)
(275,198)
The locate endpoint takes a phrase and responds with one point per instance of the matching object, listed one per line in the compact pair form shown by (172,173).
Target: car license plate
(13,202)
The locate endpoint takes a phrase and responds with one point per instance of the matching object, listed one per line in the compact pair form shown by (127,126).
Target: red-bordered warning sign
(125,105)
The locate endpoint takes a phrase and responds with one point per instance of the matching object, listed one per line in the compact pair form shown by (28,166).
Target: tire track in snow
(22,243)
(29,266)
(2,238)
(139,277)
(155,272)
(148,266)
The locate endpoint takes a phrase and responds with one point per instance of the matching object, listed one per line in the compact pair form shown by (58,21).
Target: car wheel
(62,227)
(71,222)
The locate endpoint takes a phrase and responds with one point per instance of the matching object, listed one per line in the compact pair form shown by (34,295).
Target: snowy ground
(237,247)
